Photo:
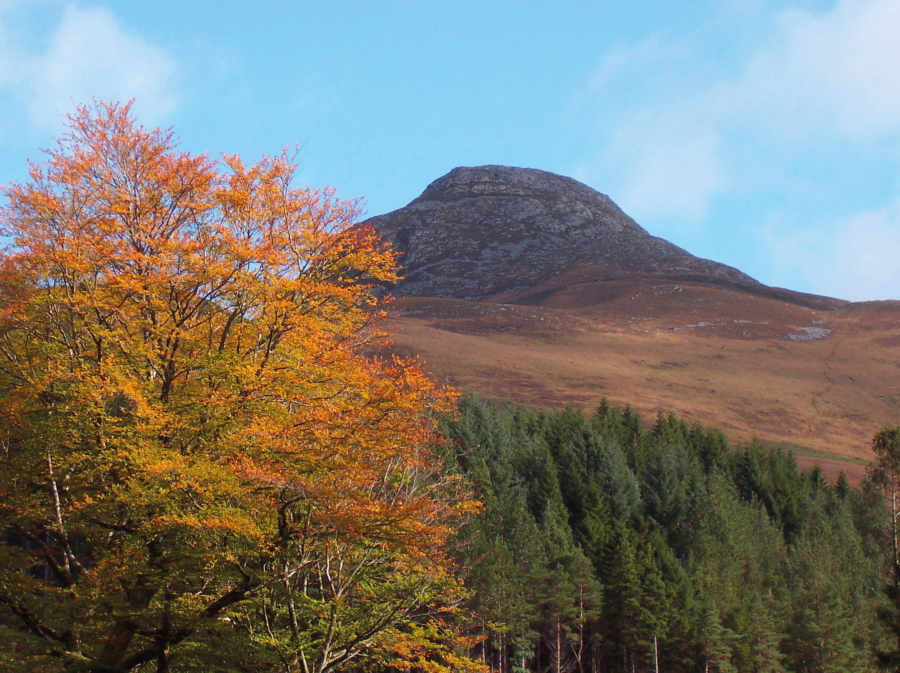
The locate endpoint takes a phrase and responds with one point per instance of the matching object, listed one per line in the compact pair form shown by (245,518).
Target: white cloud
(91,56)
(835,72)
(814,84)
(669,165)
(662,159)
(88,55)
(831,74)
(855,259)
(650,52)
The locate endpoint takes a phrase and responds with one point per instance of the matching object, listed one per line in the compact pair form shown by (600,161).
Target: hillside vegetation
(715,357)
(604,545)
(528,286)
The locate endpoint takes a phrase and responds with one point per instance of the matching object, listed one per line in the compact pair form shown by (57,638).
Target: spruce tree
(885,472)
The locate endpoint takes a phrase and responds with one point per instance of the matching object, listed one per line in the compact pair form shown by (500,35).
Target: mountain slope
(527,286)
(478,233)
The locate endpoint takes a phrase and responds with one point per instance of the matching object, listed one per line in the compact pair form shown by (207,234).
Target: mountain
(532,287)
(479,233)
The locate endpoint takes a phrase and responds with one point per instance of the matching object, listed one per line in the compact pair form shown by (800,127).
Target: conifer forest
(607,546)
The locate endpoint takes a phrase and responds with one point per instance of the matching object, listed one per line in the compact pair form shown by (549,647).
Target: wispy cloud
(10,57)
(835,72)
(636,58)
(826,79)
(669,163)
(89,55)
(853,258)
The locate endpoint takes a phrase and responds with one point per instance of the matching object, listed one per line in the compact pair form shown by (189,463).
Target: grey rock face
(480,232)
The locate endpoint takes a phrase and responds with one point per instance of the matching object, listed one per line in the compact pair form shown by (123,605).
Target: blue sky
(759,133)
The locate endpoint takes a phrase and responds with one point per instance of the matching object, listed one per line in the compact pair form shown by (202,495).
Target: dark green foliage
(604,545)
(885,475)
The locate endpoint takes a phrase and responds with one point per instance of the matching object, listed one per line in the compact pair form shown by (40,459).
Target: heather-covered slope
(528,286)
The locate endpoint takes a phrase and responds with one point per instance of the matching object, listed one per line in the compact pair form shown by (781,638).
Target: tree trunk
(558,646)
(580,652)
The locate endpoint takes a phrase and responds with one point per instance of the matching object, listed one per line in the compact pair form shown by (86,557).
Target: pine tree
(637,602)
(574,601)
(886,473)
(715,640)
(765,635)
(720,562)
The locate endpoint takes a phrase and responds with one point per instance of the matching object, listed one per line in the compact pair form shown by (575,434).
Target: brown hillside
(644,324)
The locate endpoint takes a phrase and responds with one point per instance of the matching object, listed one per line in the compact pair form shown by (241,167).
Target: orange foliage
(195,426)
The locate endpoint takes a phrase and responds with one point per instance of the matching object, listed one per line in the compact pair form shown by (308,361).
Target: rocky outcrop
(481,232)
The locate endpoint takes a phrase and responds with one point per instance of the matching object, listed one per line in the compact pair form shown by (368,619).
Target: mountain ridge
(526,286)
(481,232)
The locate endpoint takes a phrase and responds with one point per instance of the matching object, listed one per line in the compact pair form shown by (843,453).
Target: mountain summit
(482,232)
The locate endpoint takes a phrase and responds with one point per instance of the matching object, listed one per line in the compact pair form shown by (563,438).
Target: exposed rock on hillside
(481,232)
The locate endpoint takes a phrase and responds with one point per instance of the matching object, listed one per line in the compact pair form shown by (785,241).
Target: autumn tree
(205,465)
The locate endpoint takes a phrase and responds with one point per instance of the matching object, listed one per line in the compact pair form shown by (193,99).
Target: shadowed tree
(885,473)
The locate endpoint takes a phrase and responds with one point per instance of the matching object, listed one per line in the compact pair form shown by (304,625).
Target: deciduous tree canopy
(204,466)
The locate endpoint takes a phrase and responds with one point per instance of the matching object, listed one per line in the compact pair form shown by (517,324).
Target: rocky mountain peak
(480,232)
(468,182)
